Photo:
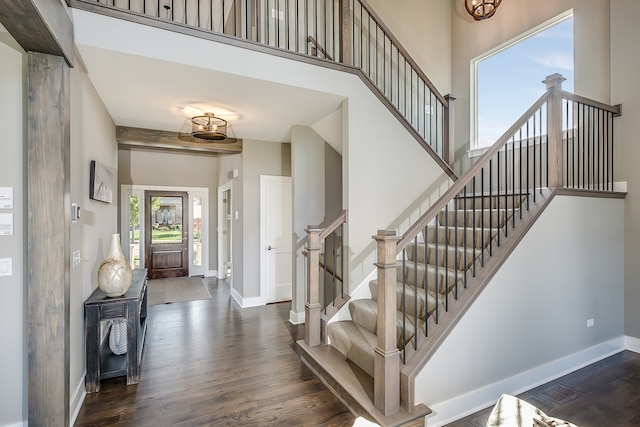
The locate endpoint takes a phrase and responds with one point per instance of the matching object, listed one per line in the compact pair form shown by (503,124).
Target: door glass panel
(166,220)
(134,231)
(197,235)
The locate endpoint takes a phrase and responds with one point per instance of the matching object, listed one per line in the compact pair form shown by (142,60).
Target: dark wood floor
(606,393)
(212,363)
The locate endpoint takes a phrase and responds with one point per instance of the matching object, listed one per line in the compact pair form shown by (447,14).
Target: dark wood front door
(166,233)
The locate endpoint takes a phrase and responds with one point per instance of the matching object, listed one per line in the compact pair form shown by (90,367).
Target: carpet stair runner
(450,249)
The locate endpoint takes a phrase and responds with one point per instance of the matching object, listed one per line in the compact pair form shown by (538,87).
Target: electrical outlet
(590,323)
(5,267)
(76,259)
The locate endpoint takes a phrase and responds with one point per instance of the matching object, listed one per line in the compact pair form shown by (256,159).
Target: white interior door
(276,238)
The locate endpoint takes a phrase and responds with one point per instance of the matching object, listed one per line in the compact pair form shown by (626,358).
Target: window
(509,78)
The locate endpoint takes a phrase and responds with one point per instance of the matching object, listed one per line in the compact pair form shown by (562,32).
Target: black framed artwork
(100,183)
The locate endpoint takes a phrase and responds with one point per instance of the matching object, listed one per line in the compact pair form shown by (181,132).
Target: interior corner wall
(139,166)
(258,158)
(423,27)
(471,39)
(13,357)
(308,173)
(625,90)
(92,138)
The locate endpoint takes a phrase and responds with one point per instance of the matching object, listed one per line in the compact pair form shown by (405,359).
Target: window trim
(474,150)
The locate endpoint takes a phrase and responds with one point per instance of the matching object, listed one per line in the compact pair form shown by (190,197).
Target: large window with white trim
(509,78)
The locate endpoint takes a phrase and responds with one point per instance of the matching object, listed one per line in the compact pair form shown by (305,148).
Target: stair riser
(457,258)
(478,219)
(502,202)
(364,314)
(452,236)
(441,273)
(423,301)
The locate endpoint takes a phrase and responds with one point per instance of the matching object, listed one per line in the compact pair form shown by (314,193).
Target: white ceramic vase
(115,274)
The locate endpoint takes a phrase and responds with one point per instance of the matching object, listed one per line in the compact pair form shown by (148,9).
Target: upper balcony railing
(346,31)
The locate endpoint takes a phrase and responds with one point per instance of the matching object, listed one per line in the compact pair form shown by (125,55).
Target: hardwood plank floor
(212,363)
(606,393)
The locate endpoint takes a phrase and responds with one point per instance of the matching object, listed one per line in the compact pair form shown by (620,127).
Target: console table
(101,363)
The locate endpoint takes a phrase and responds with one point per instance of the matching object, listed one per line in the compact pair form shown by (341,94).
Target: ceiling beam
(150,138)
(42,26)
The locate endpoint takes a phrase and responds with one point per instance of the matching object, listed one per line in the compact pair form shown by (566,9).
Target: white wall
(13,357)
(423,27)
(625,62)
(92,138)
(529,324)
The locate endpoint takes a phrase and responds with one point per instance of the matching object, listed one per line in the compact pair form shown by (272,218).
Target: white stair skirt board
(296,318)
(476,400)
(362,291)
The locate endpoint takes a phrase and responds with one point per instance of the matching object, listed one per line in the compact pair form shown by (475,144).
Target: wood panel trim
(40,26)
(48,203)
(150,138)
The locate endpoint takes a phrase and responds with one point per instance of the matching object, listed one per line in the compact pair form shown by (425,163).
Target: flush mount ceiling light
(481,9)
(209,127)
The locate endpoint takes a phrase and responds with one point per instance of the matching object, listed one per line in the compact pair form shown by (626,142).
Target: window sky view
(511,80)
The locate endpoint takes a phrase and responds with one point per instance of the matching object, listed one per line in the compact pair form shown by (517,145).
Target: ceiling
(161,95)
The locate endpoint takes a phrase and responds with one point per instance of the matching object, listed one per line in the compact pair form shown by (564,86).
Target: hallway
(211,363)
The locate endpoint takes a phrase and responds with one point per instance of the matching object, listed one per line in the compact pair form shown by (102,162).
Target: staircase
(433,272)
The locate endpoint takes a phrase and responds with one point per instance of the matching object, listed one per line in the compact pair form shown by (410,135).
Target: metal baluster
(415,292)
(426,282)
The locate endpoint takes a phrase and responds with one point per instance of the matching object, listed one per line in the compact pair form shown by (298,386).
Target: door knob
(270,247)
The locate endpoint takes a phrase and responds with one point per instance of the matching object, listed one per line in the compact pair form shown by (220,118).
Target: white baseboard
(296,318)
(246,302)
(20,424)
(632,344)
(76,401)
(476,400)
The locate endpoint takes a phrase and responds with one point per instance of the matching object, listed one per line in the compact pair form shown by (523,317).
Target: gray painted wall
(625,62)
(534,311)
(257,158)
(13,362)
(92,138)
(174,169)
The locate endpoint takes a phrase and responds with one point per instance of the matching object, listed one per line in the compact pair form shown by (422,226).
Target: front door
(166,234)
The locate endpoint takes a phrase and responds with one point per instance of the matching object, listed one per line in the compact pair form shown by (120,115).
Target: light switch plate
(5,267)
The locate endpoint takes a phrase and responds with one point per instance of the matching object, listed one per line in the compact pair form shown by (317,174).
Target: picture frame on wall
(100,183)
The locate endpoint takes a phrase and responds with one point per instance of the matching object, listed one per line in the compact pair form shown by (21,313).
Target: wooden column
(449,144)
(312,307)
(554,129)
(386,378)
(346,48)
(48,228)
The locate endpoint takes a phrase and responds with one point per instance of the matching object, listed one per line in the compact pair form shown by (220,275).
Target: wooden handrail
(342,218)
(319,47)
(615,109)
(457,186)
